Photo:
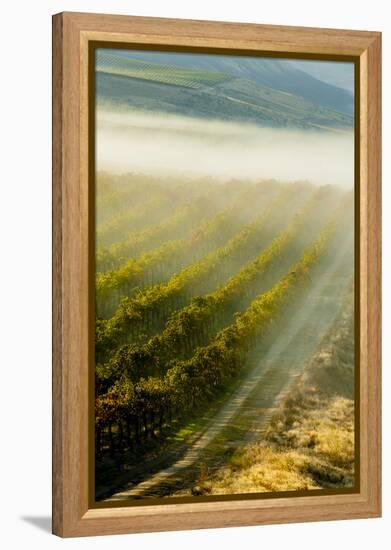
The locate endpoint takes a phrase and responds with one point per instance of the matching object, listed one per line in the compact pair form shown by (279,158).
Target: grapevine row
(184,218)
(148,310)
(162,262)
(194,324)
(149,404)
(117,193)
(137,217)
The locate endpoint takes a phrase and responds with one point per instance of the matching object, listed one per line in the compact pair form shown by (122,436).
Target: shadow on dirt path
(247,411)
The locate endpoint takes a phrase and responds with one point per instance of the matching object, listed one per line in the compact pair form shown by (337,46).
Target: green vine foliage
(168,348)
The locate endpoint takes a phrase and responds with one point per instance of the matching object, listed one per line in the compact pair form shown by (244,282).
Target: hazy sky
(335,73)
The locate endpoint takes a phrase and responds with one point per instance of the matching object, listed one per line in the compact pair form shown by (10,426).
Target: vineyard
(112,63)
(196,280)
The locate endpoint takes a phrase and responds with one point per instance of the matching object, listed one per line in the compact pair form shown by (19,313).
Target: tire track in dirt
(246,413)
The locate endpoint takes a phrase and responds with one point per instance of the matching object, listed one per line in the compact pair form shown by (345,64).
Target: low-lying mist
(161,144)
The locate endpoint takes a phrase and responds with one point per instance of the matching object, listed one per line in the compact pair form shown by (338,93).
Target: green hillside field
(124,83)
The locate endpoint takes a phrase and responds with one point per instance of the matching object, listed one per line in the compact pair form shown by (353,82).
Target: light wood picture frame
(74,513)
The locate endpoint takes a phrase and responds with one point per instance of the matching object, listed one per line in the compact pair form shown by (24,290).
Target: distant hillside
(280,74)
(121,81)
(109,62)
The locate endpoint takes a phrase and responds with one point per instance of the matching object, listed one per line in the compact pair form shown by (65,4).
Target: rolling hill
(280,74)
(206,93)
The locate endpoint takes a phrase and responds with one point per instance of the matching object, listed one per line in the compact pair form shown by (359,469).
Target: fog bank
(168,144)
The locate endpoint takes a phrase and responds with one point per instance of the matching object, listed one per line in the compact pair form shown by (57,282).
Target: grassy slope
(309,442)
(280,74)
(110,63)
(131,83)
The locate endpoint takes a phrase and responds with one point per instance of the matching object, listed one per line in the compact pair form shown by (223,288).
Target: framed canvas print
(216,274)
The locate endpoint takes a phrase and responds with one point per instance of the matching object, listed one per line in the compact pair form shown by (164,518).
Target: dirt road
(247,411)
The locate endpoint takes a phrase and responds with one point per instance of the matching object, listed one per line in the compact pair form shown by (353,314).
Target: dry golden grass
(317,451)
(309,442)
